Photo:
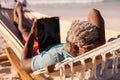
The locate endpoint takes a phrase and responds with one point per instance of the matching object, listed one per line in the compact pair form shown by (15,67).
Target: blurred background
(74,9)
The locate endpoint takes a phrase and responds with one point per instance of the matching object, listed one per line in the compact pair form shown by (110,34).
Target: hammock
(69,66)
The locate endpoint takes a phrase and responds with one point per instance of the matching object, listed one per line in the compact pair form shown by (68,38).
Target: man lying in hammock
(82,37)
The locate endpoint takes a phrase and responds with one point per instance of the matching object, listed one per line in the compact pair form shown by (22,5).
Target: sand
(6,70)
(69,13)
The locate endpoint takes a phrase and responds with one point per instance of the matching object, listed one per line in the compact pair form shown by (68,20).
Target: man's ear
(74,49)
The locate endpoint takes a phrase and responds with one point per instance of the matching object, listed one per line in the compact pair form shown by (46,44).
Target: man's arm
(89,47)
(27,51)
(96,19)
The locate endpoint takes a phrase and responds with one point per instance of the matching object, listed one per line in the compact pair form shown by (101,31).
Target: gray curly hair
(81,33)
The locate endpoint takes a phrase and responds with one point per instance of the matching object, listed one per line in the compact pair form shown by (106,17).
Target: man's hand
(34,28)
(86,48)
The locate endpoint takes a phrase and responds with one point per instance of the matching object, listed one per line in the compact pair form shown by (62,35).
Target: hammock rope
(102,50)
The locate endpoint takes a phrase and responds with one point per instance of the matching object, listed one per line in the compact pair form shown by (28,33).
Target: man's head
(80,33)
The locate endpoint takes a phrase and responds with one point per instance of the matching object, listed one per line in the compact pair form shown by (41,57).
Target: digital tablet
(48,32)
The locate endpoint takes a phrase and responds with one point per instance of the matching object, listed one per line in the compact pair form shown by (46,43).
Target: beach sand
(68,12)
(6,70)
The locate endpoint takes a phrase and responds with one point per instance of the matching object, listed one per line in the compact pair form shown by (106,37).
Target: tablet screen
(48,32)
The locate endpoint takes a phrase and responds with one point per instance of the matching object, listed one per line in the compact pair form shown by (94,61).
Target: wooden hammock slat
(16,64)
(14,60)
(77,66)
